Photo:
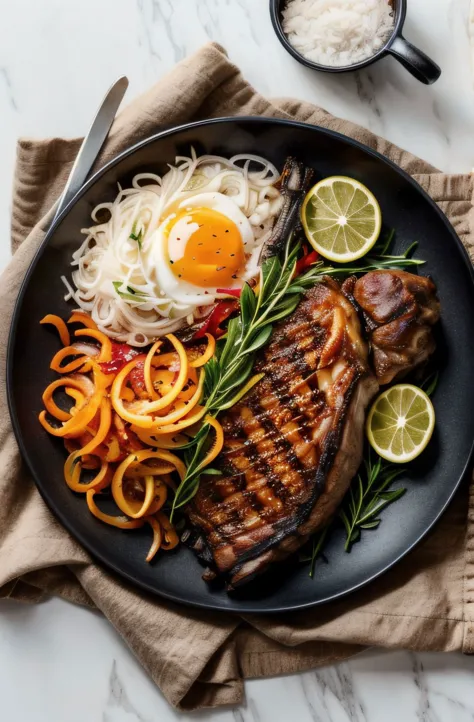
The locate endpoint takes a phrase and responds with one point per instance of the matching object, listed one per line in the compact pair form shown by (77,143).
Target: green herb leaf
(430,384)
(248,305)
(261,339)
(136,237)
(368,495)
(130,294)
(319,539)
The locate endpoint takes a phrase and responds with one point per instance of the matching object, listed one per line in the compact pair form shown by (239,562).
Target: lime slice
(400,423)
(341,219)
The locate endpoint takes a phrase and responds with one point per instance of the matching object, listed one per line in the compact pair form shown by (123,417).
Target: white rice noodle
(108,252)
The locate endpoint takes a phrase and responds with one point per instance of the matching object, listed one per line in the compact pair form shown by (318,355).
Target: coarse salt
(338,32)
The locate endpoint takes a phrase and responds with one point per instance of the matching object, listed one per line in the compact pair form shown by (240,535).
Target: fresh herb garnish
(130,294)
(368,495)
(317,544)
(430,383)
(377,259)
(138,237)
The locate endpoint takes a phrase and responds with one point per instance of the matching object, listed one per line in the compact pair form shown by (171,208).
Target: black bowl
(414,60)
(431,481)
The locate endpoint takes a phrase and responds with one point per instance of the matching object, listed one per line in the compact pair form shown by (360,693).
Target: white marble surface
(57,57)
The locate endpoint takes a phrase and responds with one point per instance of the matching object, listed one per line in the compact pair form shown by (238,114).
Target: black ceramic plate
(431,481)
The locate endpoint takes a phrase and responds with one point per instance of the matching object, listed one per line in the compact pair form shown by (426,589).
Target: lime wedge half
(400,423)
(341,219)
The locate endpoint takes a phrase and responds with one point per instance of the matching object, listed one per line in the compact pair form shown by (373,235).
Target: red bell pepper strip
(306,262)
(211,325)
(122,353)
(236,292)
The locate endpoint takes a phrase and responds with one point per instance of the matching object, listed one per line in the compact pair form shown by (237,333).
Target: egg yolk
(205,248)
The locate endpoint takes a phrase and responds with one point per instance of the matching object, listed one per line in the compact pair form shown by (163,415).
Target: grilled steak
(399,310)
(292,445)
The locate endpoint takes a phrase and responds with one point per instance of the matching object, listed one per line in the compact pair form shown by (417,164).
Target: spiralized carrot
(98,438)
(139,469)
(121,522)
(132,508)
(184,423)
(181,408)
(61,327)
(149,407)
(216,448)
(72,365)
(71,385)
(101,481)
(144,422)
(166,441)
(207,355)
(160,496)
(78,397)
(118,481)
(147,370)
(124,424)
(77,423)
(81,317)
(105,342)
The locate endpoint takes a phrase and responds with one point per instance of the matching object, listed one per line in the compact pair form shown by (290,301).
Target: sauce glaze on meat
(292,445)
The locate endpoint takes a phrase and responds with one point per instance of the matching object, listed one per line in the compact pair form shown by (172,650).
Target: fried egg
(205,244)
(170,244)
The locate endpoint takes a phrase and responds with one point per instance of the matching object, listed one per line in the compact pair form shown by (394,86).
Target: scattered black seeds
(186,403)
(200,244)
(214,235)
(234,275)
(232,255)
(227,230)
(171,262)
(220,268)
(179,275)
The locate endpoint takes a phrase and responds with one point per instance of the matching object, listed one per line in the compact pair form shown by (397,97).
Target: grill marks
(277,438)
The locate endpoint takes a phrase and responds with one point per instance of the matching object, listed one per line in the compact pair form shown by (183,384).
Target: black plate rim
(231,609)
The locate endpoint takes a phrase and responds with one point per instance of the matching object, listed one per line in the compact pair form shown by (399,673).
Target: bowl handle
(415,61)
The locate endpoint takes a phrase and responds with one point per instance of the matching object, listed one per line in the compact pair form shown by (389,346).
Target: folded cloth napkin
(199,658)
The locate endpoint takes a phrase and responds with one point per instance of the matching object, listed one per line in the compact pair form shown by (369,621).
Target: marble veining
(60,663)
(118,700)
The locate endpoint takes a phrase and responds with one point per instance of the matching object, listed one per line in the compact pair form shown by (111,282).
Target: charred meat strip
(292,445)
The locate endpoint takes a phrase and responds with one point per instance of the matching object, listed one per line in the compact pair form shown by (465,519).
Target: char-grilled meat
(292,445)
(400,310)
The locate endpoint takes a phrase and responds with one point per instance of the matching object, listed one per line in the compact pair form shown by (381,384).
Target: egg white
(164,245)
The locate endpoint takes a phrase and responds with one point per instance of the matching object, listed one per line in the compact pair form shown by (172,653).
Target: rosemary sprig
(378,259)
(368,495)
(319,540)
(228,373)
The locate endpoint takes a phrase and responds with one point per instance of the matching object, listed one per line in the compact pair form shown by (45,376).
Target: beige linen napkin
(200,658)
